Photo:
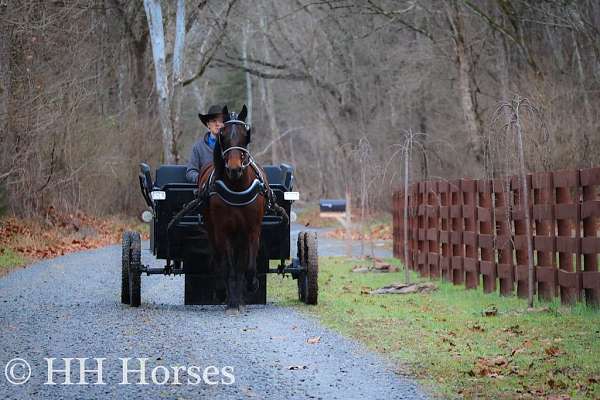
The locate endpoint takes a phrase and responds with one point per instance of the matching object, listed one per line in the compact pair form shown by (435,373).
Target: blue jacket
(202,154)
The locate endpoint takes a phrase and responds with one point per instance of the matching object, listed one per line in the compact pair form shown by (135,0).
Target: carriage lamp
(158,195)
(291,196)
(147,216)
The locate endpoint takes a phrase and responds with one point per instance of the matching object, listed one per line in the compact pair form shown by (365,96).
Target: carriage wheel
(312,268)
(302,260)
(135,276)
(125,251)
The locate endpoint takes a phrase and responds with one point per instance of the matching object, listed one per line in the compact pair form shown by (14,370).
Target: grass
(444,339)
(10,260)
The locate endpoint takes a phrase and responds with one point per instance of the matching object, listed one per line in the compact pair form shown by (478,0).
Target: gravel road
(69,307)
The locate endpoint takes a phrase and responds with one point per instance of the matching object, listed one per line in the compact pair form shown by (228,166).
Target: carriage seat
(170,174)
(281,175)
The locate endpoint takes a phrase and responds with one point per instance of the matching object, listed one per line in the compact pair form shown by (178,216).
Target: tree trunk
(137,52)
(245,34)
(157,38)
(4,80)
(177,78)
(466,85)
(267,97)
(585,141)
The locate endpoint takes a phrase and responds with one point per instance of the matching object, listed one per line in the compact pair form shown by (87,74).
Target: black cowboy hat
(213,112)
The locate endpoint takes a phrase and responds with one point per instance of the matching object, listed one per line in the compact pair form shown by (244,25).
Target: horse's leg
(251,280)
(233,290)
(240,271)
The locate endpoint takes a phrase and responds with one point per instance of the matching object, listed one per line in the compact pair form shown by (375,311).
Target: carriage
(186,250)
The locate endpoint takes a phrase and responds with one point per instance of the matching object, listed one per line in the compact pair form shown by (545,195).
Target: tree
(169,93)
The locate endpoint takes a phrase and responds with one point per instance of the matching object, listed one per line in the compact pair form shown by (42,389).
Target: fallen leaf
(513,330)
(476,328)
(553,351)
(313,340)
(516,351)
(500,361)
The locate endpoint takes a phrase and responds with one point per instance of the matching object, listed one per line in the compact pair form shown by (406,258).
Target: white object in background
(291,196)
(158,195)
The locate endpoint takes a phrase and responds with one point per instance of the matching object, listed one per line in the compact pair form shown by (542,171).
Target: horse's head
(233,142)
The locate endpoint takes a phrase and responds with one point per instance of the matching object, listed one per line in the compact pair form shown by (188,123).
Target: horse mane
(218,161)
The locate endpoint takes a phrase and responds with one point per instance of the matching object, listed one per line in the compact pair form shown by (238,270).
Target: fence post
(520,239)
(567,218)
(422,230)
(412,225)
(485,240)
(506,269)
(444,192)
(543,240)
(397,223)
(433,230)
(471,259)
(590,243)
(458,250)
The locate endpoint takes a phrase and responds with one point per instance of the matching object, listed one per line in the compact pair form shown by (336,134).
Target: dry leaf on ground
(313,340)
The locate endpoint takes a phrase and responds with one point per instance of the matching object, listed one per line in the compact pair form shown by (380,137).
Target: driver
(202,151)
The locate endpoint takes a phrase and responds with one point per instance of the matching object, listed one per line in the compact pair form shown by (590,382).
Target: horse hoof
(232,311)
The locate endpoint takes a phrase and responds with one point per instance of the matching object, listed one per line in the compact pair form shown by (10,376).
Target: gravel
(69,307)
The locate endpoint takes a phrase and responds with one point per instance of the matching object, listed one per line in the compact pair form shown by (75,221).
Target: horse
(237,195)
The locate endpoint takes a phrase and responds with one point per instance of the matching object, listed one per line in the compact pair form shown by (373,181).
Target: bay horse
(237,194)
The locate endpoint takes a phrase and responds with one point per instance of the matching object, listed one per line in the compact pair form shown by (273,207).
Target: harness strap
(237,199)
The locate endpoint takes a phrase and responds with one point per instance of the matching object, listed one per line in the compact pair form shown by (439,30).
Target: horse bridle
(246,156)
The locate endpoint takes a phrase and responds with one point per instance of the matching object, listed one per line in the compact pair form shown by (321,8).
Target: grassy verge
(444,339)
(9,260)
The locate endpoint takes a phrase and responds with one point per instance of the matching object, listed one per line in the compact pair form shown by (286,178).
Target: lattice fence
(473,232)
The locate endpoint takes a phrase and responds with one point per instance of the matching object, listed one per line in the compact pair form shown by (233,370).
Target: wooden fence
(473,232)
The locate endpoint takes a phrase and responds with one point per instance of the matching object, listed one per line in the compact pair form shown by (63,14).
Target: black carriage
(186,249)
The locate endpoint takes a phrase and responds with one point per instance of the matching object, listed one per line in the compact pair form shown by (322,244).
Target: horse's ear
(225,112)
(242,115)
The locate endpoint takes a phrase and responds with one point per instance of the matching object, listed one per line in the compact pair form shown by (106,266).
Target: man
(202,152)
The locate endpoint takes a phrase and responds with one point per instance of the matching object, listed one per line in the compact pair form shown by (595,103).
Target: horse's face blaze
(233,136)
